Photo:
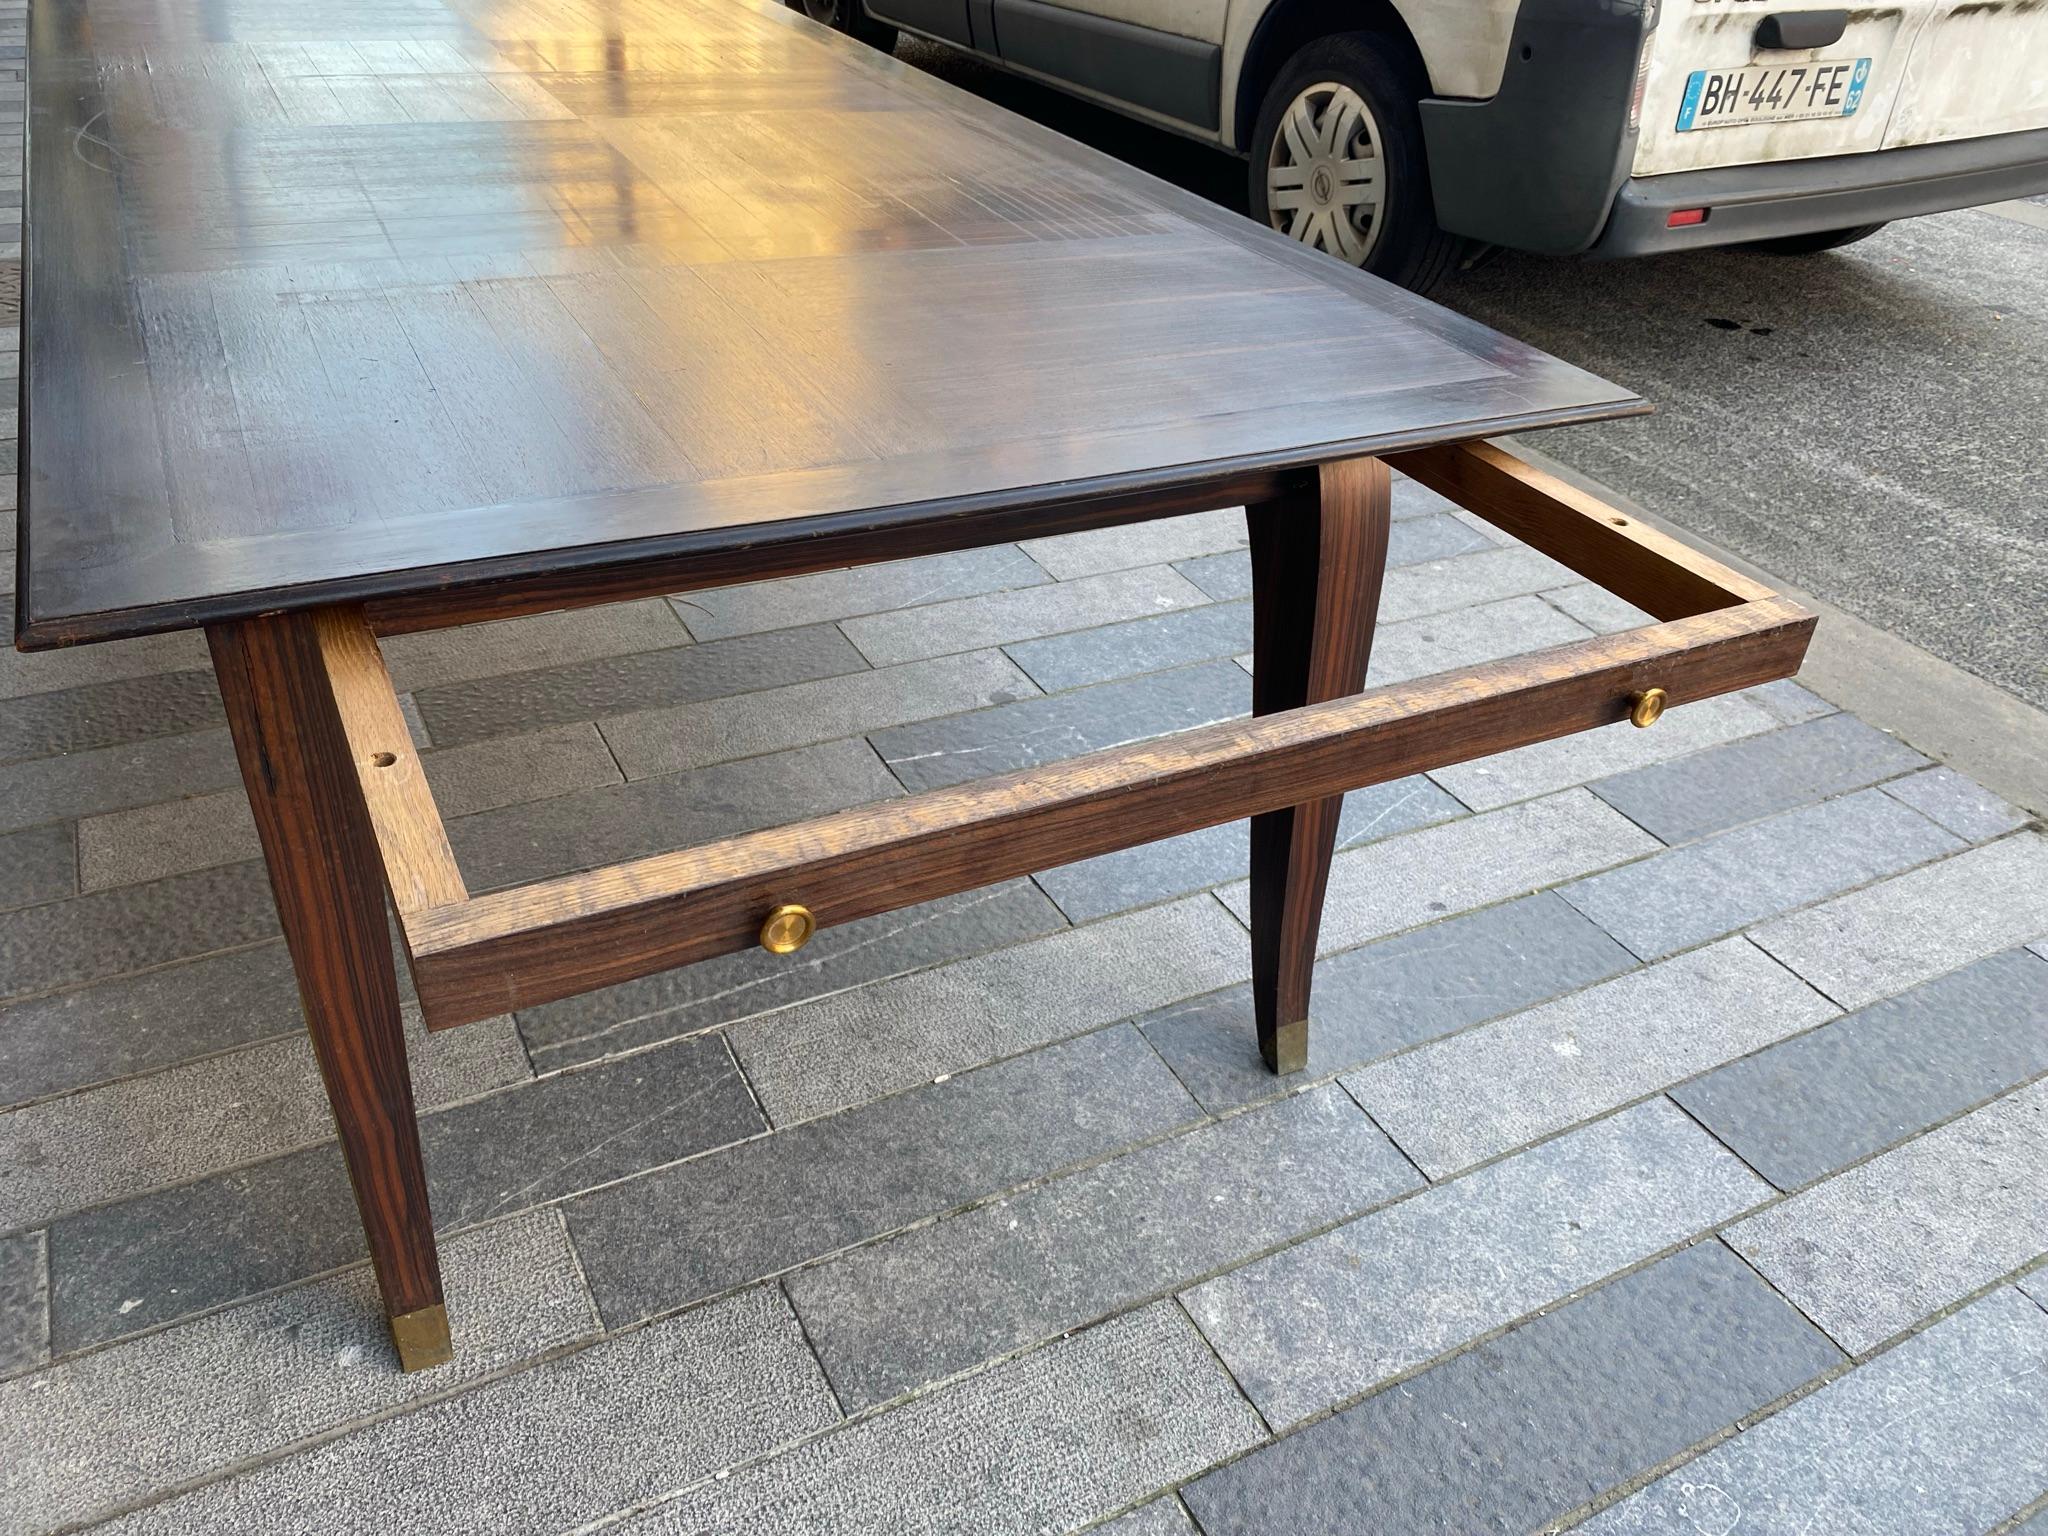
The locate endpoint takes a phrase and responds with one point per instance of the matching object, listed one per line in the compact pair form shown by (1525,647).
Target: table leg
(1317,560)
(326,875)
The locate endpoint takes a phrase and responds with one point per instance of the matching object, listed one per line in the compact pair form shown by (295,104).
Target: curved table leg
(326,875)
(1317,561)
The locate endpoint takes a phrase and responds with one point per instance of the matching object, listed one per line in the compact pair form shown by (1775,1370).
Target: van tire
(1408,247)
(1818,241)
(850,17)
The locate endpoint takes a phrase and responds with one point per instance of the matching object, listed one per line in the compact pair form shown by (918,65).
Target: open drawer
(476,956)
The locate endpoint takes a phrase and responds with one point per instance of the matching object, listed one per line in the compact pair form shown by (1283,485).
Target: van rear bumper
(1799,197)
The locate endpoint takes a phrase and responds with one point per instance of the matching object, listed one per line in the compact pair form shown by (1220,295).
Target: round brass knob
(788,929)
(1648,708)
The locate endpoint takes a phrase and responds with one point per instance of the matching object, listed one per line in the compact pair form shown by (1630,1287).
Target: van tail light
(1635,98)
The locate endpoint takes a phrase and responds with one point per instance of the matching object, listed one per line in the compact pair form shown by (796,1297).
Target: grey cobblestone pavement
(1673,1154)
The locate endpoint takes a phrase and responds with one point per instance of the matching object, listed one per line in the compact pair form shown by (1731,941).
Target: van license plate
(1772,93)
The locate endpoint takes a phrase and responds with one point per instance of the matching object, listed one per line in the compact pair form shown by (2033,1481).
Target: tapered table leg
(325,873)
(1317,560)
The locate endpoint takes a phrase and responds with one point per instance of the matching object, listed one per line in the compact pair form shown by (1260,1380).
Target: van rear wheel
(850,17)
(1818,241)
(1337,161)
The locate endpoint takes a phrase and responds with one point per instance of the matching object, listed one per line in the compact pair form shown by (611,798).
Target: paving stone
(934,753)
(1466,638)
(1398,992)
(1529,1426)
(719,612)
(1685,896)
(37,865)
(657,1242)
(1876,1249)
(1756,776)
(111,1142)
(1162,1517)
(1948,1432)
(551,1448)
(1133,877)
(1962,805)
(1611,750)
(604,826)
(996,618)
(1788,702)
(114,1427)
(1457,1101)
(1340,1314)
(1430,535)
(1155,542)
(1135,646)
(1406,881)
(24,1310)
(753,982)
(138,1023)
(1046,1443)
(149,842)
(719,730)
(1807,1106)
(458,713)
(107,714)
(941,1299)
(527,644)
(110,933)
(854,1046)
(84,665)
(1598,609)
(1885,938)
(177,1251)
(114,778)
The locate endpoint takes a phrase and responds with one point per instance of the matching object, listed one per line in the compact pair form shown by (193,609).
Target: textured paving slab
(996,618)
(1688,895)
(604,826)
(107,714)
(1339,1314)
(1406,881)
(24,1303)
(107,1143)
(662,741)
(48,671)
(149,842)
(1046,1443)
(1466,638)
(116,1426)
(934,753)
(738,986)
(114,778)
(1962,805)
(718,612)
(1163,539)
(1878,1248)
(1133,877)
(1084,657)
(856,1046)
(140,1023)
(1162,1517)
(1398,992)
(1807,1106)
(119,1268)
(1597,608)
(616,685)
(1872,943)
(549,1448)
(1788,702)
(1757,776)
(658,1241)
(37,865)
(530,644)
(1948,1432)
(1533,1424)
(1602,754)
(975,1286)
(1458,1101)
(1431,534)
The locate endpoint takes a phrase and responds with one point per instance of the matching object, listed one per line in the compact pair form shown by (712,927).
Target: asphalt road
(1870,425)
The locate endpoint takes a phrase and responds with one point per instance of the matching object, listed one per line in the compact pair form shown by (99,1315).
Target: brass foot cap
(1647,708)
(422,1338)
(1288,1050)
(788,929)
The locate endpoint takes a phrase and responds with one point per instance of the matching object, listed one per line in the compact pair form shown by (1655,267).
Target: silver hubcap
(1325,182)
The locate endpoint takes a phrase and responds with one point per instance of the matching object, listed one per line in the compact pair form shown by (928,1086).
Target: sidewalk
(1663,1082)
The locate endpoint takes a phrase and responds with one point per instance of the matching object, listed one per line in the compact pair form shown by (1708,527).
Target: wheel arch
(1280,31)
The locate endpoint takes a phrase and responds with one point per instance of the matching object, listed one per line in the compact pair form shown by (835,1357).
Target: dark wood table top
(333,301)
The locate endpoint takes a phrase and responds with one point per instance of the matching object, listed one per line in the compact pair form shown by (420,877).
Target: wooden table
(351,320)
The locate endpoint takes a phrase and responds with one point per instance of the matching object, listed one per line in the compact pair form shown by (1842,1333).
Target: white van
(1395,133)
